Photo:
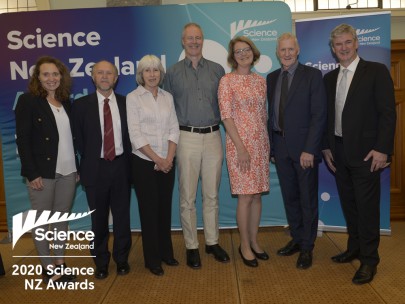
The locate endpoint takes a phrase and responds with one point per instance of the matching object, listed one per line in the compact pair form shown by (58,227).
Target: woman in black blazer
(45,147)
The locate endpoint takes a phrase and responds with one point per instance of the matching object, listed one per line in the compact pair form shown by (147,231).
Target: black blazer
(37,136)
(87,135)
(368,118)
(305,111)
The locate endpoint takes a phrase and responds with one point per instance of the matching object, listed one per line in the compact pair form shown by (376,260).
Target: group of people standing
(111,141)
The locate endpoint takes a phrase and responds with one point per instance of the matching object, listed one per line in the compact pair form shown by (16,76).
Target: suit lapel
(94,114)
(298,76)
(273,85)
(333,82)
(47,109)
(121,106)
(358,75)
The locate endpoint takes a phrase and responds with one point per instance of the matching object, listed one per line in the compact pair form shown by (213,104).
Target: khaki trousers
(199,155)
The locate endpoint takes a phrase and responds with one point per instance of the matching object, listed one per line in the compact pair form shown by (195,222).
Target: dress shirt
(65,163)
(151,121)
(116,118)
(290,72)
(195,91)
(349,76)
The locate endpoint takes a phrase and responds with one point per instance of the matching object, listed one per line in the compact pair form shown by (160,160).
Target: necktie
(283,100)
(109,146)
(340,102)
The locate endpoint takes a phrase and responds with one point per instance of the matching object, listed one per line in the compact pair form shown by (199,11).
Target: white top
(151,121)
(116,119)
(65,163)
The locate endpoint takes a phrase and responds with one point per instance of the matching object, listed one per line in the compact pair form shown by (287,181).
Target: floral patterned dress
(243,98)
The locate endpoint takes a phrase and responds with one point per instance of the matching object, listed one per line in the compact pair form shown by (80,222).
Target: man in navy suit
(358,145)
(297,118)
(105,172)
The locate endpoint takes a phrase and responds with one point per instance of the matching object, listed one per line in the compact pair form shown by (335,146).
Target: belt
(200,130)
(281,133)
(118,156)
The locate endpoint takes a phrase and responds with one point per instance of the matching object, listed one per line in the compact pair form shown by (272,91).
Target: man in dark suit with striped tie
(101,138)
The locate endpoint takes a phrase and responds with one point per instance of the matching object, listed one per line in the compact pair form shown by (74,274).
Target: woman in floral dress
(242,102)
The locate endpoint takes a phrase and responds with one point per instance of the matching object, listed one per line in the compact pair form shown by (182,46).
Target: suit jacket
(37,136)
(88,136)
(368,118)
(305,111)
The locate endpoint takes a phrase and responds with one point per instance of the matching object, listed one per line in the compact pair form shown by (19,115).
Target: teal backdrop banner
(124,35)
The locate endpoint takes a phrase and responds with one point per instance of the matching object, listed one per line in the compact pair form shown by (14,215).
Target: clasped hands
(164,165)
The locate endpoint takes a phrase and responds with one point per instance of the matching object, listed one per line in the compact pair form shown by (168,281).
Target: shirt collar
(101,97)
(352,67)
(189,63)
(141,90)
(291,69)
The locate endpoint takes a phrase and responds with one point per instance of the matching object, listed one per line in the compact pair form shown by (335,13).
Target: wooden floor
(274,281)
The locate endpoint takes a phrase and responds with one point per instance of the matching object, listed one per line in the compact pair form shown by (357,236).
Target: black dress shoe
(365,274)
(345,257)
(123,268)
(171,262)
(219,254)
(157,270)
(250,263)
(193,258)
(304,259)
(289,249)
(260,255)
(69,277)
(101,273)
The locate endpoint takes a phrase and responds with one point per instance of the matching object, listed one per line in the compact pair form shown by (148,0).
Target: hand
(243,160)
(77,177)
(327,154)
(379,160)
(306,160)
(272,160)
(36,184)
(163,165)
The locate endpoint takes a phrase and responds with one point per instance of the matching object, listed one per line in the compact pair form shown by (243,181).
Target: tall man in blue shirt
(193,83)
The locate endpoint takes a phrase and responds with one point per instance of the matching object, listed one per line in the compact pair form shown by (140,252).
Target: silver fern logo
(366,31)
(242,25)
(20,226)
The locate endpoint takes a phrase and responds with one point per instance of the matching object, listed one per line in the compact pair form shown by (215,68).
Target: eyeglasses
(241,51)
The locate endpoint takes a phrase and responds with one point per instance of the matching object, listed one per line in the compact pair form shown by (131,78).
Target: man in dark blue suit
(358,145)
(101,138)
(297,118)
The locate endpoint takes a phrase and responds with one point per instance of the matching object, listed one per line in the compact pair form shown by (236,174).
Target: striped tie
(109,147)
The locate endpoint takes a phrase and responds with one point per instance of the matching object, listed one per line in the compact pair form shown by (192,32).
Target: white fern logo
(366,31)
(241,25)
(44,219)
